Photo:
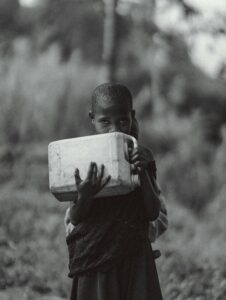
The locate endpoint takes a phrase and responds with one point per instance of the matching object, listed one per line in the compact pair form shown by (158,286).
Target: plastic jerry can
(109,149)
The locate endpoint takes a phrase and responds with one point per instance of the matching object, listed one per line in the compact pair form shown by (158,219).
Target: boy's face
(112,116)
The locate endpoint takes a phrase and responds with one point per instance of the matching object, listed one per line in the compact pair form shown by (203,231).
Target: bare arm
(86,189)
(150,196)
(143,161)
(79,210)
(160,225)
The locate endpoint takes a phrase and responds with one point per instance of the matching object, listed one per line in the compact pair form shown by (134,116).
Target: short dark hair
(111,90)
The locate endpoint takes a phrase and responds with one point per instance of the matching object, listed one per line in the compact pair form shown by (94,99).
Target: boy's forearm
(150,197)
(80,210)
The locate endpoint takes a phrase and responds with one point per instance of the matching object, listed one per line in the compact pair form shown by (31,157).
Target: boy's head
(112,108)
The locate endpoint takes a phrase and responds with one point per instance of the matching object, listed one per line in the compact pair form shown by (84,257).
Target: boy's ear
(91,115)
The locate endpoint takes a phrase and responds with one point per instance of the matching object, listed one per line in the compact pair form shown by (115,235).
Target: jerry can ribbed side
(110,149)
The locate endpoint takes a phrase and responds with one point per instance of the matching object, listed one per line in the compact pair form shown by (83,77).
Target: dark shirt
(116,228)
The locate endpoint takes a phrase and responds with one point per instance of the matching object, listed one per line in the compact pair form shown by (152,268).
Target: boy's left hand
(139,158)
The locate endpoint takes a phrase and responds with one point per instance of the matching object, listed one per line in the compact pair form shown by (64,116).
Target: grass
(32,242)
(33,253)
(41,98)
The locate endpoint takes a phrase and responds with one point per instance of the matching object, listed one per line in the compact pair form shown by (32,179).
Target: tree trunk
(110,40)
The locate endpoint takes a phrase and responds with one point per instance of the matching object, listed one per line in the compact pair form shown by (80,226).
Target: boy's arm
(79,209)
(144,160)
(160,225)
(86,190)
(150,197)
(67,222)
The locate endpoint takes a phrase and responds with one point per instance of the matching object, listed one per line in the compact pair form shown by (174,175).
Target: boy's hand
(93,182)
(139,158)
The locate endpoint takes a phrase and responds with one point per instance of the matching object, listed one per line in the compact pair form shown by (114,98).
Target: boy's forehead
(112,105)
(105,101)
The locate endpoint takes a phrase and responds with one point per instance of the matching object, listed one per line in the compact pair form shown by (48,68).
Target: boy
(108,237)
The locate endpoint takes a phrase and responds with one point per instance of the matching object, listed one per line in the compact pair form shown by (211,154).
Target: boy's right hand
(93,182)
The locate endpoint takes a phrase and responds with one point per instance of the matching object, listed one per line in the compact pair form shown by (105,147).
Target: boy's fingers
(137,164)
(101,175)
(90,171)
(134,158)
(137,167)
(105,182)
(77,177)
(138,161)
(134,151)
(140,165)
(94,174)
(144,158)
(133,168)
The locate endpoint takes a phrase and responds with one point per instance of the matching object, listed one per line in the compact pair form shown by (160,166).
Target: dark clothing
(115,229)
(110,256)
(133,279)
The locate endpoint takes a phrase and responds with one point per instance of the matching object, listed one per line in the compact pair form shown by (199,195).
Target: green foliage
(9,21)
(32,240)
(43,99)
(33,248)
(9,13)
(192,173)
(74,24)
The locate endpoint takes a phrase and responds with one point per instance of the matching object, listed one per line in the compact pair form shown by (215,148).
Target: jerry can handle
(135,179)
(126,148)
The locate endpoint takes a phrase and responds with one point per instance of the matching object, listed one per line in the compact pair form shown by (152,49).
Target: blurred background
(172,56)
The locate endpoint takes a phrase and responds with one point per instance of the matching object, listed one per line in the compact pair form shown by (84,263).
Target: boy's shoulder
(147,151)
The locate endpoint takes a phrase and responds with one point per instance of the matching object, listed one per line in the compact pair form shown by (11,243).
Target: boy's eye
(105,122)
(124,121)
